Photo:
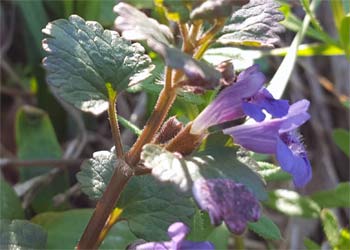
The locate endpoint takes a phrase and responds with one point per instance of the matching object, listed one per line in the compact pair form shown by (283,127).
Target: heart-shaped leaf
(83,58)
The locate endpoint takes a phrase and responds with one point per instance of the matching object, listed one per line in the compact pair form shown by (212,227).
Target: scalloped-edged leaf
(21,235)
(216,162)
(96,172)
(135,25)
(292,204)
(199,74)
(265,228)
(330,226)
(333,198)
(65,228)
(10,204)
(148,205)
(255,24)
(216,8)
(83,57)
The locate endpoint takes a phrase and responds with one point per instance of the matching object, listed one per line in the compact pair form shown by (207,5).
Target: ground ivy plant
(180,181)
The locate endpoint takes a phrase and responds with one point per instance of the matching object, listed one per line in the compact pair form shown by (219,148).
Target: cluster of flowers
(224,199)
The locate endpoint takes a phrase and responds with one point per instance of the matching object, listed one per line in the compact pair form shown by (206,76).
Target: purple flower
(254,105)
(226,201)
(244,97)
(177,232)
(277,136)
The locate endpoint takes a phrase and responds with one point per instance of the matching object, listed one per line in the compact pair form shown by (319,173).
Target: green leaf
(36,139)
(203,230)
(135,25)
(255,24)
(314,49)
(216,162)
(83,58)
(314,21)
(21,235)
(150,207)
(330,226)
(338,12)
(65,228)
(271,172)
(293,23)
(214,9)
(96,172)
(344,35)
(292,204)
(311,245)
(199,74)
(342,139)
(265,228)
(338,197)
(10,204)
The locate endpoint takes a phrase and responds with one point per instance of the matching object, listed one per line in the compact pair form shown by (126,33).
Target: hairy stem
(165,100)
(91,235)
(121,176)
(113,121)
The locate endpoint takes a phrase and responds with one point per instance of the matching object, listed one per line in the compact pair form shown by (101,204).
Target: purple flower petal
(227,105)
(226,201)
(177,232)
(258,137)
(264,100)
(292,156)
(276,137)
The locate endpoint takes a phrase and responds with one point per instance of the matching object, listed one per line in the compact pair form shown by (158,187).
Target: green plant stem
(121,176)
(239,242)
(165,100)
(104,207)
(113,121)
(207,38)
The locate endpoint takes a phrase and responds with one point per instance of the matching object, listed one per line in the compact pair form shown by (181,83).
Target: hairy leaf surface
(216,8)
(83,58)
(255,24)
(216,162)
(148,205)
